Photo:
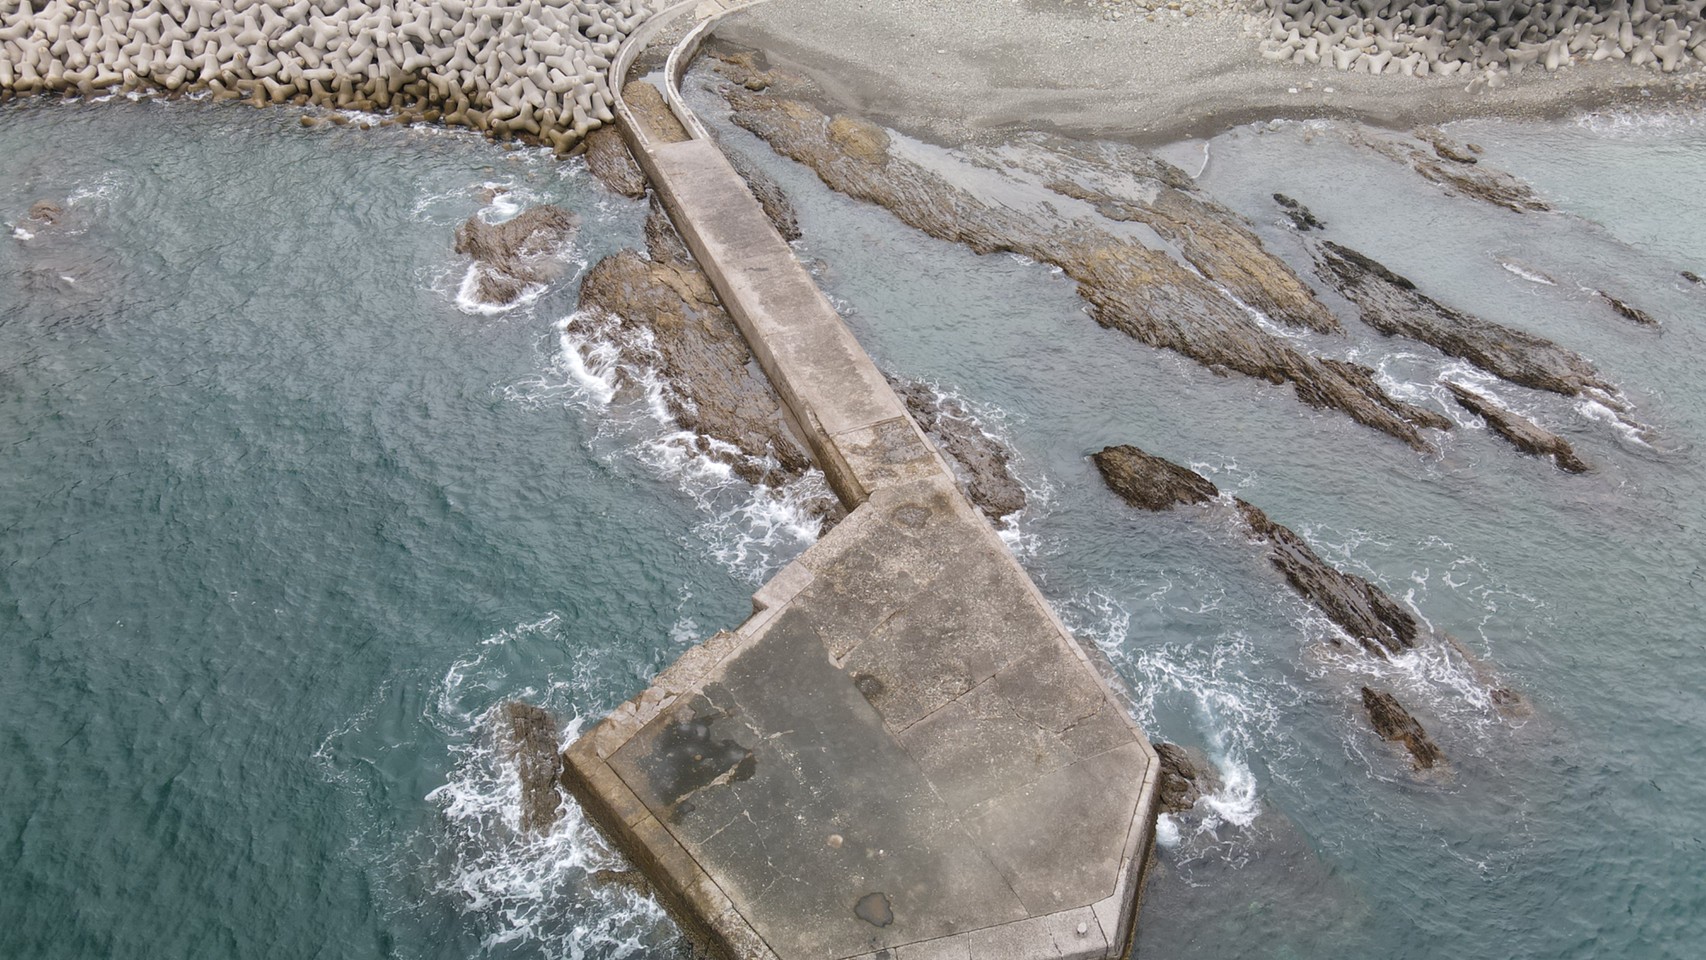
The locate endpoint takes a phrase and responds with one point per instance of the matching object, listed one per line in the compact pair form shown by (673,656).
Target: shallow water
(283,523)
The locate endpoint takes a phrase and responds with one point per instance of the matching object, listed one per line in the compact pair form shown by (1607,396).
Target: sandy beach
(949,70)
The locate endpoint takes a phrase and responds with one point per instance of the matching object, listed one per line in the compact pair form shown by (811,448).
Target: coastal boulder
(530,737)
(514,256)
(1395,724)
(1149,482)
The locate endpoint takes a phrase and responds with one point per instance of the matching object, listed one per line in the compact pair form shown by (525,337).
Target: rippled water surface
(283,521)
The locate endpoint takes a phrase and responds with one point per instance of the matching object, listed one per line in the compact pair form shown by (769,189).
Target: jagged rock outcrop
(1395,724)
(1525,434)
(1455,169)
(608,158)
(1694,278)
(1394,306)
(1299,215)
(1360,608)
(663,317)
(778,209)
(982,464)
(1151,482)
(1628,312)
(529,734)
(1130,287)
(513,256)
(1186,777)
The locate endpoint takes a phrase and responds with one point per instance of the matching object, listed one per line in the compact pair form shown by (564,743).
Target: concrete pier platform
(902,752)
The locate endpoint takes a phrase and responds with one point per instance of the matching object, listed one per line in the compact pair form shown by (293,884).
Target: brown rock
(1394,306)
(1362,609)
(1446,148)
(983,465)
(1627,312)
(778,209)
(518,253)
(1525,434)
(1130,287)
(1186,777)
(1395,724)
(608,158)
(1151,482)
(1300,215)
(1467,179)
(531,736)
(1694,278)
(46,211)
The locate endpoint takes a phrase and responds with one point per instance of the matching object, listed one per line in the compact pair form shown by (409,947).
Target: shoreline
(973,71)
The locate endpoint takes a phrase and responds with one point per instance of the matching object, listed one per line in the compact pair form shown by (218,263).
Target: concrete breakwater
(1487,36)
(526,69)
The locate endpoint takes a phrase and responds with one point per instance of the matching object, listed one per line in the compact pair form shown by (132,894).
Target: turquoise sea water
(283,522)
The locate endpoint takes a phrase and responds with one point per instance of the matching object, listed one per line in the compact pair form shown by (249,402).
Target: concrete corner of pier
(902,753)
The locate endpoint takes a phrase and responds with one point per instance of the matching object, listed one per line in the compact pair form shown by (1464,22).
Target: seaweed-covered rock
(513,256)
(983,463)
(1362,609)
(1130,287)
(1394,306)
(1525,434)
(1395,724)
(1151,482)
(608,158)
(530,734)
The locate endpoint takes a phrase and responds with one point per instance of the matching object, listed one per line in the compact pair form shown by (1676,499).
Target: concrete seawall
(533,70)
(902,752)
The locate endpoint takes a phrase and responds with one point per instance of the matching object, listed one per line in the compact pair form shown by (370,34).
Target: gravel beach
(1137,70)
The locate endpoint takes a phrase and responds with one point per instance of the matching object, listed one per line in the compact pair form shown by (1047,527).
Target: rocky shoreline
(530,70)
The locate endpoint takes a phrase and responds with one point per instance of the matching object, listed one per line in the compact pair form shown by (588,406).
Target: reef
(1395,724)
(1150,482)
(1455,168)
(1524,434)
(1136,289)
(533,70)
(517,255)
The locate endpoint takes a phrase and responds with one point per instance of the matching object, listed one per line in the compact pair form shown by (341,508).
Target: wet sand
(949,70)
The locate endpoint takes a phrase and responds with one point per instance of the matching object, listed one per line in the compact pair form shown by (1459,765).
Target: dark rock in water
(663,244)
(519,253)
(1694,278)
(1363,378)
(1460,177)
(1362,609)
(1395,724)
(1446,148)
(1627,312)
(46,211)
(778,209)
(1300,215)
(1392,304)
(608,158)
(531,736)
(982,463)
(652,112)
(1151,482)
(1186,777)
(1138,290)
(1527,435)
(714,387)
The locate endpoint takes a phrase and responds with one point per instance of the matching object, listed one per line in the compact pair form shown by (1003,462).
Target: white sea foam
(22,234)
(1528,274)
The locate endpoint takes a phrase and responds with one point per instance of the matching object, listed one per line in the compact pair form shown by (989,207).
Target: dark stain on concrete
(868,686)
(689,759)
(874,909)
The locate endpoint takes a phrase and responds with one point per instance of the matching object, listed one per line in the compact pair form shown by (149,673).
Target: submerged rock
(1130,287)
(1360,608)
(1627,312)
(519,253)
(530,734)
(1525,434)
(1151,482)
(983,464)
(778,209)
(1186,777)
(1394,306)
(46,211)
(1463,177)
(1300,215)
(1395,724)
(1694,278)
(608,158)
(1446,148)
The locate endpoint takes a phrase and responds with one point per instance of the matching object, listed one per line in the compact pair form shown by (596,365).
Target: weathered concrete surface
(902,752)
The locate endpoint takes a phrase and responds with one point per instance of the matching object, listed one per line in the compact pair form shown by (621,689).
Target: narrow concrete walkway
(902,750)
